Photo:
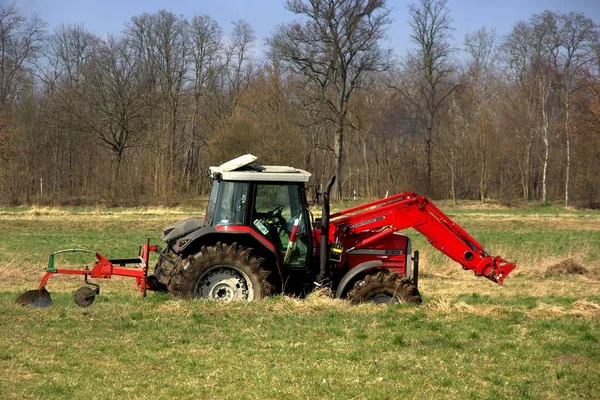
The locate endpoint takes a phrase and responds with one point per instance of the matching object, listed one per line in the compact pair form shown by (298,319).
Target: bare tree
(68,52)
(161,42)
(206,39)
(517,54)
(482,73)
(334,46)
(577,36)
(20,43)
(173,95)
(116,97)
(431,66)
(545,49)
(238,58)
(366,110)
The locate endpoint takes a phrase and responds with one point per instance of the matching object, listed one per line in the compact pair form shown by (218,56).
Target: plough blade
(38,298)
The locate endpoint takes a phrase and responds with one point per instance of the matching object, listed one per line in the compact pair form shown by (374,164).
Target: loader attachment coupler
(498,269)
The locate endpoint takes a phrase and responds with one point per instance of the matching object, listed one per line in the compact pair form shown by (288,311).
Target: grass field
(536,337)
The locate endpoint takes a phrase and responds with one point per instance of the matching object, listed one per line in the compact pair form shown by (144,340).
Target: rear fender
(354,273)
(182,245)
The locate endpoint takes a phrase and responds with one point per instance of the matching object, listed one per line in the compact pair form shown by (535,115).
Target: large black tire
(384,286)
(221,272)
(164,270)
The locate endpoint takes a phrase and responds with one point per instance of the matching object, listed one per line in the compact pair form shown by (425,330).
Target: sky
(109,16)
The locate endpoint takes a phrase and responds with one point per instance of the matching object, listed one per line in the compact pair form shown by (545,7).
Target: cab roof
(239,169)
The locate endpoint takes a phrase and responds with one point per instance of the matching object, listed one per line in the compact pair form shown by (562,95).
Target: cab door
(281,216)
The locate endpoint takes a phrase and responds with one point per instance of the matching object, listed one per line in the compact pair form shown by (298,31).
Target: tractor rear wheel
(221,272)
(384,286)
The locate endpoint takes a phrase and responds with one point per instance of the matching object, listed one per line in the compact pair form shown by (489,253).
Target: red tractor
(258,238)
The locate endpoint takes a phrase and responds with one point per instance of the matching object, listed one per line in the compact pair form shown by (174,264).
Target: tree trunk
(339,156)
(367,175)
(526,170)
(484,165)
(546,141)
(116,174)
(428,160)
(568,150)
(453,182)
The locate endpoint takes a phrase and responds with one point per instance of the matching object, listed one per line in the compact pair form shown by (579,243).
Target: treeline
(137,117)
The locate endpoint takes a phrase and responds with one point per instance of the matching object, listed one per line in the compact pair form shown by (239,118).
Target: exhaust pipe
(325,233)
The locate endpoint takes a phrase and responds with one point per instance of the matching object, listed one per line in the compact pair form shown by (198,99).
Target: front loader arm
(452,240)
(409,210)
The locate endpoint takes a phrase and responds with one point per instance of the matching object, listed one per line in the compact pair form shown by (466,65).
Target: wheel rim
(224,283)
(381,298)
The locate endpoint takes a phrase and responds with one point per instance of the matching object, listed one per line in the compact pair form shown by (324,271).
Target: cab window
(230,208)
(277,209)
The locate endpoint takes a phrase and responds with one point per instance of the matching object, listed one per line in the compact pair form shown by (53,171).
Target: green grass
(125,346)
(536,337)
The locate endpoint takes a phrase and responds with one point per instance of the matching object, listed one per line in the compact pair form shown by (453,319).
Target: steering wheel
(275,214)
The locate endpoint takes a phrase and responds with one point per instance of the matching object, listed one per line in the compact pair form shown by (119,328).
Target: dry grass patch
(587,306)
(13,271)
(580,308)
(566,267)
(446,305)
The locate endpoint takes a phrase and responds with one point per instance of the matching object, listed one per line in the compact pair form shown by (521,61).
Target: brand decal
(394,252)
(367,222)
(379,252)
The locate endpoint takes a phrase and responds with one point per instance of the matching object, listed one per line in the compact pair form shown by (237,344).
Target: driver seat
(275,239)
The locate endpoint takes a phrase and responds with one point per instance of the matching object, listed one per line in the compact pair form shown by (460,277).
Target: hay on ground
(566,267)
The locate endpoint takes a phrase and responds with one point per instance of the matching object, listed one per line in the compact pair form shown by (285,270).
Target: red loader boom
(378,219)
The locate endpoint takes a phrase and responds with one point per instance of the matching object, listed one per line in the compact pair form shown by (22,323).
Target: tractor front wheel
(223,273)
(384,286)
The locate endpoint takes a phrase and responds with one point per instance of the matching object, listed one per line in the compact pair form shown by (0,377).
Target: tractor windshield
(212,202)
(230,205)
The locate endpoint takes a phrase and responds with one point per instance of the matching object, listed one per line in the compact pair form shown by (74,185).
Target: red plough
(103,268)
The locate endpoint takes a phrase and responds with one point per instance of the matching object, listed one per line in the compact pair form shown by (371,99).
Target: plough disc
(35,298)
(84,296)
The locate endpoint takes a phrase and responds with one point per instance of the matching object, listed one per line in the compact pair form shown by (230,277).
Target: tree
(335,45)
(206,39)
(20,43)
(577,36)
(546,55)
(237,58)
(545,49)
(116,97)
(481,74)
(430,71)
(518,98)
(161,44)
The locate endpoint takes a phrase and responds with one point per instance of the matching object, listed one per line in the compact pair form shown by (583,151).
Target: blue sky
(109,16)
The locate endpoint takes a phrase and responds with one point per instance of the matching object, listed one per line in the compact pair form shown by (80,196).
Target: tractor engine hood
(181,228)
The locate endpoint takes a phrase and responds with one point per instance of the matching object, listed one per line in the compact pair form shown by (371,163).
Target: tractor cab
(268,200)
